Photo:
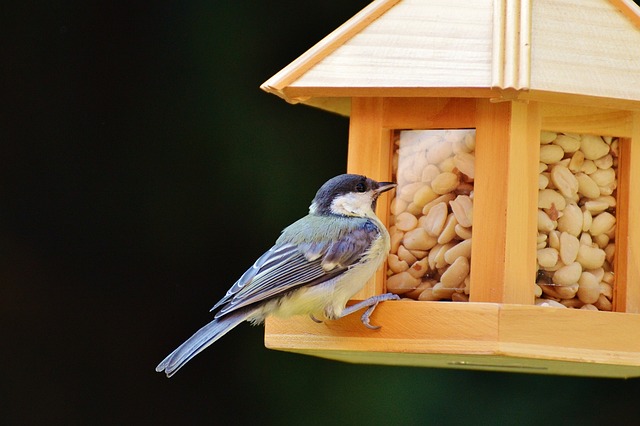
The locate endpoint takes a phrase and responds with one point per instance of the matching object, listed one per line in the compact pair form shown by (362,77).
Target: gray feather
(200,340)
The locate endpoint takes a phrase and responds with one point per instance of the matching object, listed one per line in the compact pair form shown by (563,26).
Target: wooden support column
(505,202)
(370,154)
(627,262)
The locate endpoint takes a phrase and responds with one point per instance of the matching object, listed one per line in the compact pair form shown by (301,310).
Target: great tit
(315,267)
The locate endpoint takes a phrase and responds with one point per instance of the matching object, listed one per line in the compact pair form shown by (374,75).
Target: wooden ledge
(477,336)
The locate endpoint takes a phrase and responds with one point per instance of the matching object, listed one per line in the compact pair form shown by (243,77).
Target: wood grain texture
(511,44)
(522,200)
(584,52)
(480,336)
(324,47)
(584,47)
(627,262)
(439,43)
(512,334)
(429,113)
(583,119)
(629,9)
(633,218)
(493,121)
(370,154)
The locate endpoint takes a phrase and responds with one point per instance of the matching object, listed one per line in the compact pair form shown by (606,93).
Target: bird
(315,267)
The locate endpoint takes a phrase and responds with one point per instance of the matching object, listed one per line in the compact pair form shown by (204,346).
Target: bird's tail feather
(200,340)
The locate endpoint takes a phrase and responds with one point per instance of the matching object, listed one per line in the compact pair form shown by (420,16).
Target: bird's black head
(348,195)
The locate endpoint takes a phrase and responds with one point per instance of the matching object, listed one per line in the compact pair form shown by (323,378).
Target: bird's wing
(287,266)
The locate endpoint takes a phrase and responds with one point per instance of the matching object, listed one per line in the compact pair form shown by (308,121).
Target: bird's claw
(316,320)
(365,318)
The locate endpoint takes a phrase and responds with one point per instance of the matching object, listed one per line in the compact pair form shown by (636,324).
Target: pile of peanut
(431,215)
(576,220)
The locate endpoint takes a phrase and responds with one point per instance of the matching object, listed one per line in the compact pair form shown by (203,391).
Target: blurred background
(143,170)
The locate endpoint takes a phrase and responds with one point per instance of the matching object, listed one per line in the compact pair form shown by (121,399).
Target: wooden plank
(570,334)
(623,263)
(583,119)
(439,43)
(501,363)
(326,46)
(370,154)
(429,113)
(302,94)
(406,327)
(601,101)
(584,47)
(627,288)
(633,219)
(490,202)
(522,200)
(478,336)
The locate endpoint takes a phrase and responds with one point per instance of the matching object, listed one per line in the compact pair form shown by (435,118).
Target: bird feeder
(513,130)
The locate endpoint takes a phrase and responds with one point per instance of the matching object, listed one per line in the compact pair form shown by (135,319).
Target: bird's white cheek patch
(353,204)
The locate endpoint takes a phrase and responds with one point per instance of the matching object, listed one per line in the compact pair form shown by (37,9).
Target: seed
(445,182)
(435,220)
(402,283)
(590,257)
(567,275)
(569,246)
(550,154)
(462,208)
(456,273)
(602,223)
(406,221)
(593,147)
(589,288)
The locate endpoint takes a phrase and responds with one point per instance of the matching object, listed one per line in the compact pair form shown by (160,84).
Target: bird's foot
(371,304)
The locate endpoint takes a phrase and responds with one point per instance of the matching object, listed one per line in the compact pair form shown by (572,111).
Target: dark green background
(142,171)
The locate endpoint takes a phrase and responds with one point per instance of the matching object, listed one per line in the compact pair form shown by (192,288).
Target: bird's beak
(385,186)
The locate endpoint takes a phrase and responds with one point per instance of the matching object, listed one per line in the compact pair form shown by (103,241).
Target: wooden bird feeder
(513,130)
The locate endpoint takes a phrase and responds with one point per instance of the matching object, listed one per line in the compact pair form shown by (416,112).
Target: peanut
(465,162)
(602,223)
(593,147)
(449,230)
(589,288)
(568,144)
(461,249)
(423,195)
(590,257)
(568,274)
(444,183)
(550,154)
(397,265)
(564,180)
(402,282)
(456,273)
(549,197)
(547,257)
(571,220)
(569,246)
(587,187)
(405,221)
(435,220)
(462,208)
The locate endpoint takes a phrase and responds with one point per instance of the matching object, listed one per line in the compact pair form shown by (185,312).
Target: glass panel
(576,220)
(431,214)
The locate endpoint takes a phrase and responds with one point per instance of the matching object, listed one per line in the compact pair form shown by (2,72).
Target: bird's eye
(361,187)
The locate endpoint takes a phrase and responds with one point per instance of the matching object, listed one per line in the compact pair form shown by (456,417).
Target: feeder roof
(568,51)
